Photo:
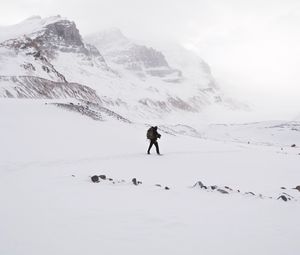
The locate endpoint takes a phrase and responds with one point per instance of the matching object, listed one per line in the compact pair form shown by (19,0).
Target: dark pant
(156,146)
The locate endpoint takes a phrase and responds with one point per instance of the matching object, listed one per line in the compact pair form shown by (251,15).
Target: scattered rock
(213,187)
(158,185)
(283,187)
(199,183)
(293,145)
(226,187)
(102,176)
(139,182)
(110,179)
(250,193)
(167,188)
(73,175)
(95,178)
(283,197)
(222,191)
(134,181)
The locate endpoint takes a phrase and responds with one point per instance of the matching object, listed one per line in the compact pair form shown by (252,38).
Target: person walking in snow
(153,135)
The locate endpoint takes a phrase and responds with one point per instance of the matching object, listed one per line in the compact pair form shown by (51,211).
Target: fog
(251,46)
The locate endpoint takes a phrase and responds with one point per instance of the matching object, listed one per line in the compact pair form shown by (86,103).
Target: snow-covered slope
(50,206)
(270,133)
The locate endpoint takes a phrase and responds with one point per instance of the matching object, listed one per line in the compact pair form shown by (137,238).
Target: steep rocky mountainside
(44,58)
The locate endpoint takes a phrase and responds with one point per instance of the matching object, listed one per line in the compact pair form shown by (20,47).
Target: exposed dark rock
(213,187)
(297,188)
(110,179)
(283,197)
(283,188)
(222,191)
(134,181)
(102,176)
(293,145)
(226,187)
(167,188)
(158,185)
(199,183)
(95,178)
(250,193)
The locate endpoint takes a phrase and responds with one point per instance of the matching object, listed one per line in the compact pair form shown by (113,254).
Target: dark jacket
(154,134)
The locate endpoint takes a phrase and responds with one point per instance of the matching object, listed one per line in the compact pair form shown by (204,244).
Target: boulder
(102,176)
(283,197)
(95,178)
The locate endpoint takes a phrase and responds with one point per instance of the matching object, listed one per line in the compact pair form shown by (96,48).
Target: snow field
(46,210)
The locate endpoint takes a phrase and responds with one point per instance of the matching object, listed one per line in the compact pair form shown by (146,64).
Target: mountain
(136,80)
(141,60)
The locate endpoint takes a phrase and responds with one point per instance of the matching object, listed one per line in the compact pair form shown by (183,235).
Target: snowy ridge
(92,110)
(30,25)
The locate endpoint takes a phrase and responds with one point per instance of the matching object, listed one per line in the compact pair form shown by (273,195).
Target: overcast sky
(253,46)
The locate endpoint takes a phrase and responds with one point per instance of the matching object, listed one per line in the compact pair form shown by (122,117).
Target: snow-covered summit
(32,47)
(28,26)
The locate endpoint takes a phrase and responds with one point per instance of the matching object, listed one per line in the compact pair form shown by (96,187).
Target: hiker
(153,135)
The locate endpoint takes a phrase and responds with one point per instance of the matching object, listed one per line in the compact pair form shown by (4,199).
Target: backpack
(150,133)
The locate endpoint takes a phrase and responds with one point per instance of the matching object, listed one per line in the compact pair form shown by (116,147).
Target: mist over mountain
(133,79)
